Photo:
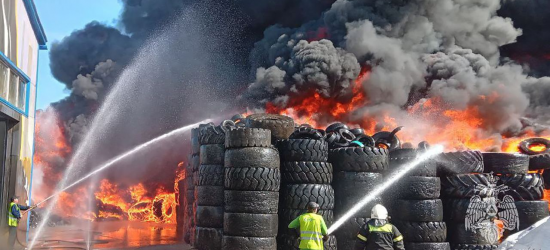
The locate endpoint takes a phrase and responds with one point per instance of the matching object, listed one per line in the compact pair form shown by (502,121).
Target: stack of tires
(252,182)
(306,177)
(358,171)
(461,173)
(192,202)
(415,203)
(527,189)
(186,200)
(209,188)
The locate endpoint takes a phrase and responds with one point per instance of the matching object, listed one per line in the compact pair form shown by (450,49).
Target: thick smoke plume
(419,54)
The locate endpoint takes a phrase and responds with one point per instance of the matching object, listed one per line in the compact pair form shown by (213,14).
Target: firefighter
(378,233)
(313,230)
(14,215)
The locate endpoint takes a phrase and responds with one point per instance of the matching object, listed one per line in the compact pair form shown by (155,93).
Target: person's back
(312,229)
(378,233)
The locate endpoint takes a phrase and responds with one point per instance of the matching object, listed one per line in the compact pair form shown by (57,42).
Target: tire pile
(461,173)
(252,182)
(415,203)
(189,235)
(185,217)
(209,190)
(527,189)
(306,177)
(358,171)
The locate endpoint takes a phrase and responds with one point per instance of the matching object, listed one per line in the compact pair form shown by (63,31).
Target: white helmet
(379,212)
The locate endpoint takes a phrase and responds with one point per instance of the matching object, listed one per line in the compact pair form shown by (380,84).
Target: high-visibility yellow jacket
(312,229)
(12,220)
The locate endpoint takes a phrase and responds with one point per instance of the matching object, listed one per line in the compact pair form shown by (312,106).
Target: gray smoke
(416,50)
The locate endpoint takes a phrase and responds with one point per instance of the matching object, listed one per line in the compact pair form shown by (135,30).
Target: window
(13,89)
(4,79)
(22,98)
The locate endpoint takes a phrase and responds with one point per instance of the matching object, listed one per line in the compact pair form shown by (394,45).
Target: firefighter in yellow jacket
(14,215)
(313,230)
(378,233)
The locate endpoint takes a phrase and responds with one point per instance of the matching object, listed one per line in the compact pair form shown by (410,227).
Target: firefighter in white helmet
(378,233)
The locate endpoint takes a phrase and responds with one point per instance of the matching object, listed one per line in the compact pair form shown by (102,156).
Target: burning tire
(247,137)
(288,215)
(252,179)
(252,157)
(259,202)
(422,231)
(540,161)
(250,225)
(281,126)
(525,146)
(546,178)
(306,172)
(210,216)
(212,154)
(211,175)
(530,212)
(298,196)
(463,185)
(355,159)
(473,247)
(208,238)
(209,195)
(210,134)
(428,246)
(419,210)
(464,162)
(504,163)
(248,243)
(303,150)
(523,187)
(419,188)
(399,158)
(459,234)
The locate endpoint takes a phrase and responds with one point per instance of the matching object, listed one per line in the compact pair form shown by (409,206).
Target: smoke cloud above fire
(422,56)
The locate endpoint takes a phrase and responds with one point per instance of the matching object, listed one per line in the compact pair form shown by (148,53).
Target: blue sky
(60,18)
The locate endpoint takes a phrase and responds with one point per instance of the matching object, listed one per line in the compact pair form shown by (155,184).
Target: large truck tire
(247,137)
(306,172)
(463,162)
(257,202)
(252,179)
(248,243)
(299,195)
(252,157)
(419,210)
(303,150)
(250,225)
(357,159)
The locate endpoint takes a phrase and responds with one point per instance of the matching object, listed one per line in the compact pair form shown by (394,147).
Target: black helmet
(312,205)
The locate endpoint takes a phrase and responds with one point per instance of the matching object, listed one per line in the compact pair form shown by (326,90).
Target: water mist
(434,150)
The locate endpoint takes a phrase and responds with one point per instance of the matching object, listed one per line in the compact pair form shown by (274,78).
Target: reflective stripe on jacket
(12,220)
(312,229)
(385,237)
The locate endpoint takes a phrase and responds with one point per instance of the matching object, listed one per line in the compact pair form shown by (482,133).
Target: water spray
(107,165)
(434,150)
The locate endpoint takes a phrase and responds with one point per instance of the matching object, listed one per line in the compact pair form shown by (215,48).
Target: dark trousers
(12,237)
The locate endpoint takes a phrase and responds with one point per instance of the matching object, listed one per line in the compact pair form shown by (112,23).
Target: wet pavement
(112,235)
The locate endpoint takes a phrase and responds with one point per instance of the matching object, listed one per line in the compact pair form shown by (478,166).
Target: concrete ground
(111,235)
